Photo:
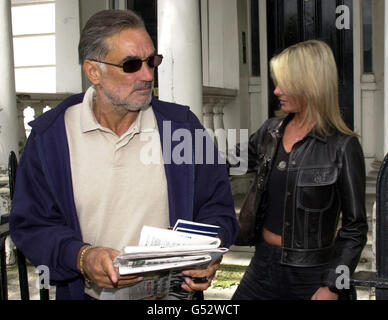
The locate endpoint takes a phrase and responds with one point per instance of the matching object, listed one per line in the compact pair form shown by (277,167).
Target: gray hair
(100,27)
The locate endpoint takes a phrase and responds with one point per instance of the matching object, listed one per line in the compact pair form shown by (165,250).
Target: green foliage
(228,275)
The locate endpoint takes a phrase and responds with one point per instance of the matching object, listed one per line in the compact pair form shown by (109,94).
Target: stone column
(8,110)
(208,114)
(219,115)
(179,40)
(38,108)
(386,79)
(21,128)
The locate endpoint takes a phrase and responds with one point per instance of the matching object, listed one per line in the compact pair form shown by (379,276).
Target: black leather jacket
(326,176)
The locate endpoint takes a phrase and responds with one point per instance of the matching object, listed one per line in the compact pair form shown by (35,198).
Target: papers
(142,266)
(161,249)
(196,228)
(162,285)
(156,285)
(167,239)
(161,256)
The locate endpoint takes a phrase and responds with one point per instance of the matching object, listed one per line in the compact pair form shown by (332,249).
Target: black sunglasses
(134,65)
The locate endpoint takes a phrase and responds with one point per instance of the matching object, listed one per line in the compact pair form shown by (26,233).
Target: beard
(126,102)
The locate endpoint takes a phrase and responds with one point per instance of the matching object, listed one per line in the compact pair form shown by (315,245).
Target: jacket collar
(43,122)
(280,126)
(316,134)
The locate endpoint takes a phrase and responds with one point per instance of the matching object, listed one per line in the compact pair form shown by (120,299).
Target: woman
(312,168)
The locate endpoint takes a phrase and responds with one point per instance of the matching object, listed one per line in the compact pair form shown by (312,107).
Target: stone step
(4,180)
(370,199)
(367,253)
(370,190)
(4,191)
(370,196)
(227,293)
(365,264)
(376,165)
(365,293)
(372,176)
(238,258)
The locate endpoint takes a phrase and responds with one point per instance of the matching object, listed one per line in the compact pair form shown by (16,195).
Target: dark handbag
(247,217)
(252,211)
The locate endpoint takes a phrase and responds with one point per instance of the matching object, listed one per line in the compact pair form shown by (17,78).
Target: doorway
(293,21)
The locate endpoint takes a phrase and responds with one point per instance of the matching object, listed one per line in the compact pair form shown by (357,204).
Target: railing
(21,260)
(214,102)
(38,102)
(4,232)
(379,279)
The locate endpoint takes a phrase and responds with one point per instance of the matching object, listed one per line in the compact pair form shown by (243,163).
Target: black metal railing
(4,232)
(21,260)
(379,279)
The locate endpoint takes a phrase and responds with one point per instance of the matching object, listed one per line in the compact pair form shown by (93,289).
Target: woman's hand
(324,293)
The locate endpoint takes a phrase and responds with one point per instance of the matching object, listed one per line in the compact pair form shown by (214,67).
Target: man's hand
(98,266)
(324,293)
(209,273)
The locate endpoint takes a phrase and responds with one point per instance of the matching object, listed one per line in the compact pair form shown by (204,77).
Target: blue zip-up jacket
(44,223)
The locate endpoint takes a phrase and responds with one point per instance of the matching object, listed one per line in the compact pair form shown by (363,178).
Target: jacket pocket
(316,188)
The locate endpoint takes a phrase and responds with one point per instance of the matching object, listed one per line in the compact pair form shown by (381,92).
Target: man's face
(129,90)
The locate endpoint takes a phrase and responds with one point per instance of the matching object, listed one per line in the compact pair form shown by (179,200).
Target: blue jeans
(266,279)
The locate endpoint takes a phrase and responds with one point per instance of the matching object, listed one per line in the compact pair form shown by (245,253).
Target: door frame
(263,59)
(357,66)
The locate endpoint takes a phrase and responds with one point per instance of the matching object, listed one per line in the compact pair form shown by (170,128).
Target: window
(33,26)
(148,10)
(367,35)
(255,38)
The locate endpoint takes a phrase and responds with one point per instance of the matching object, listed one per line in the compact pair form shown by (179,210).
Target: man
(83,190)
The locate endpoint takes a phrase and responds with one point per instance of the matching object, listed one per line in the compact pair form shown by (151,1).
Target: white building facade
(217,48)
(216,61)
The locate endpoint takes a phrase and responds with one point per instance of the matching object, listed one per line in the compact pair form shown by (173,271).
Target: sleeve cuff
(70,254)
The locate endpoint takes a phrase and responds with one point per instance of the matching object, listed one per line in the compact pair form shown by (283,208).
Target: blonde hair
(308,72)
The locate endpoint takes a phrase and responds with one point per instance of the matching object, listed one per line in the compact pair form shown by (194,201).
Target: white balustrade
(39,102)
(215,100)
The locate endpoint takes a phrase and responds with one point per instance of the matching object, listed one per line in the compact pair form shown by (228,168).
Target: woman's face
(289,104)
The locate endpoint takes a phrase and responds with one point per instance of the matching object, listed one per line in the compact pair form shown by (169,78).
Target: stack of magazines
(161,256)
